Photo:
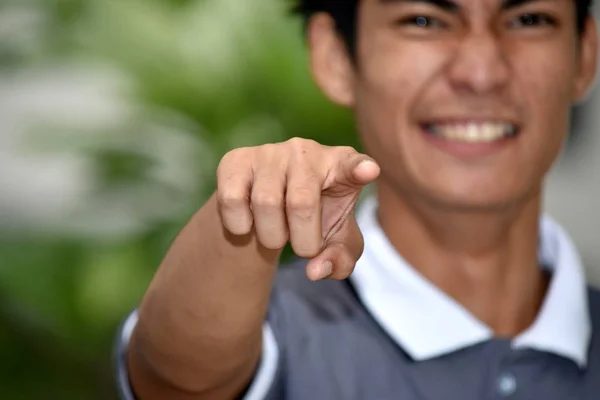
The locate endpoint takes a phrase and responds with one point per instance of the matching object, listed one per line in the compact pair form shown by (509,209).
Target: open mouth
(472,132)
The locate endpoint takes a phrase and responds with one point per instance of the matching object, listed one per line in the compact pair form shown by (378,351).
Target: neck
(486,260)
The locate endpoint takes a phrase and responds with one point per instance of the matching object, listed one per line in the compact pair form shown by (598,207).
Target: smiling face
(464,103)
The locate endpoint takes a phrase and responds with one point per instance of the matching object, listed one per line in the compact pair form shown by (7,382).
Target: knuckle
(232,161)
(297,141)
(267,199)
(268,149)
(235,154)
(301,145)
(231,198)
(302,200)
(347,151)
(226,178)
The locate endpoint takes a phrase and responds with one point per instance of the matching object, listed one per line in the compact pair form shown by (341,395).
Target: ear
(588,54)
(331,66)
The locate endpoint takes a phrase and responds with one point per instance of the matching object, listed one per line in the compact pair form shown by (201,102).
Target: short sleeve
(263,386)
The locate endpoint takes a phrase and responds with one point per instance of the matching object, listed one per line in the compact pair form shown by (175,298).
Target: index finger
(354,169)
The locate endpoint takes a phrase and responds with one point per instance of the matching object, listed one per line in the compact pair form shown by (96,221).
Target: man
(464,290)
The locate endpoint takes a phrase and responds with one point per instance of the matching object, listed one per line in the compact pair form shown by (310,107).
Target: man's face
(466,103)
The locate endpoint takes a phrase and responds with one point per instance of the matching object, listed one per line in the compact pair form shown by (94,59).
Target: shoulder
(594,302)
(594,312)
(594,349)
(594,299)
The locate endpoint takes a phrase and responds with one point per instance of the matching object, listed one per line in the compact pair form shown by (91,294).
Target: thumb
(338,258)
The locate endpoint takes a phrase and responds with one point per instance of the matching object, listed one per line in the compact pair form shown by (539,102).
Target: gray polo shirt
(387,333)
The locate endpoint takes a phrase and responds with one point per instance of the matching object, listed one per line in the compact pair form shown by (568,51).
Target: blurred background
(113,116)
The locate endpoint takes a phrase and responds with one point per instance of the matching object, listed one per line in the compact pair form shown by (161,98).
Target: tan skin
(468,224)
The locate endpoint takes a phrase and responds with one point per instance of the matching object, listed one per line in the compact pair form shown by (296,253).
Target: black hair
(344,13)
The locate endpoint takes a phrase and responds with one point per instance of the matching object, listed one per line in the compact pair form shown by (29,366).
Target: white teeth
(473,132)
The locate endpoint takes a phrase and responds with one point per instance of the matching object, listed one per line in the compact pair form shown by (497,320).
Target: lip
(464,120)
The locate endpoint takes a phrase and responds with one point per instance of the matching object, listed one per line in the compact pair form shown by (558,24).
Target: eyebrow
(452,6)
(508,4)
(447,5)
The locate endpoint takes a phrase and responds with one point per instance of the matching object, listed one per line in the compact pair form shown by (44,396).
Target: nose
(479,65)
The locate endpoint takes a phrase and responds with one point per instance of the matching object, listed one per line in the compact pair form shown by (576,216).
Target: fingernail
(326,270)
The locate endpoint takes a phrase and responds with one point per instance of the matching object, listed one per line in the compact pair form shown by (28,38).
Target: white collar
(414,312)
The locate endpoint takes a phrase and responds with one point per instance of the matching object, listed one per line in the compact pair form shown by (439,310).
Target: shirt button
(507,384)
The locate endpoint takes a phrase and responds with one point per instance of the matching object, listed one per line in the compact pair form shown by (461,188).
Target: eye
(421,21)
(531,20)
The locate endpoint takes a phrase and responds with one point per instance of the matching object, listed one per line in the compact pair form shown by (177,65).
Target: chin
(481,202)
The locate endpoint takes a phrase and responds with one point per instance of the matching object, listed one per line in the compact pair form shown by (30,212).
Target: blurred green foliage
(203,77)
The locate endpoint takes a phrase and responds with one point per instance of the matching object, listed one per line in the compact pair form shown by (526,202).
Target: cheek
(546,71)
(383,97)
(546,80)
(392,77)
(397,70)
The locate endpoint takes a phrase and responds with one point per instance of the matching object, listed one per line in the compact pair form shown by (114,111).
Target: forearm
(199,328)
